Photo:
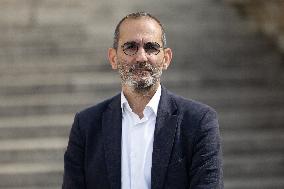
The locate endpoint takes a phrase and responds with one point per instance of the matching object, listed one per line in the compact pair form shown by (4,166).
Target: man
(146,137)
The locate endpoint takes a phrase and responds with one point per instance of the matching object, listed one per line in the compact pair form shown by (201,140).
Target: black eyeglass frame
(137,48)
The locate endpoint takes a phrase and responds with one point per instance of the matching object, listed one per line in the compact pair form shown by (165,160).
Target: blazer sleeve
(73,177)
(206,168)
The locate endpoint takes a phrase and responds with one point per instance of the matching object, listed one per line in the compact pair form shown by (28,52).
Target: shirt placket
(137,152)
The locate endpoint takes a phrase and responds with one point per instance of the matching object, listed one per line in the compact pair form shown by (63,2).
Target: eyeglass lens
(131,48)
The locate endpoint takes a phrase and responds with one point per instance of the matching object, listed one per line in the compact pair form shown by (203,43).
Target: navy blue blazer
(186,150)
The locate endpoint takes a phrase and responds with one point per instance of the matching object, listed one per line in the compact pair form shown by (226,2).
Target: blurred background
(53,63)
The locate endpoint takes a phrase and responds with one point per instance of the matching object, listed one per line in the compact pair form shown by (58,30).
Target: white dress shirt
(137,144)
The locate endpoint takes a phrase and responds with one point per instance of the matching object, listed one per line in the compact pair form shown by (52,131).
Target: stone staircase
(53,63)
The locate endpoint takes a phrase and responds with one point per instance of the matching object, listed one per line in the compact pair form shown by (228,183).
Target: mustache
(141,66)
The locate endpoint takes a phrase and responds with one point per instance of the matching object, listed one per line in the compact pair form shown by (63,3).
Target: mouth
(143,70)
(140,70)
(140,67)
(141,73)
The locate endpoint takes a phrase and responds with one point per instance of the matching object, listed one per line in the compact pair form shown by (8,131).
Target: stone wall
(266,16)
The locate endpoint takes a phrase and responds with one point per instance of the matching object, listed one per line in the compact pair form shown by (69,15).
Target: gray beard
(143,85)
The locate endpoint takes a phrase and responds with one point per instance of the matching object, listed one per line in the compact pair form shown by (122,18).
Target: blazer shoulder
(196,117)
(98,109)
(190,106)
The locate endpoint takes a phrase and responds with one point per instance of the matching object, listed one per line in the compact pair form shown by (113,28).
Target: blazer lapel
(165,129)
(112,124)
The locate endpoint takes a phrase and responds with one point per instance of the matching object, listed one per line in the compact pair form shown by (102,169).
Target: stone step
(251,166)
(231,26)
(32,150)
(38,12)
(50,43)
(31,175)
(39,131)
(267,61)
(37,121)
(35,187)
(238,99)
(255,183)
(49,48)
(9,15)
(18,36)
(44,156)
(186,9)
(33,144)
(210,42)
(57,79)
(82,60)
(252,142)
(16,4)
(41,32)
(230,47)
(70,88)
(36,126)
(253,120)
(60,64)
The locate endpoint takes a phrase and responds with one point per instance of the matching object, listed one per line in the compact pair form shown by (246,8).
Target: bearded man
(145,137)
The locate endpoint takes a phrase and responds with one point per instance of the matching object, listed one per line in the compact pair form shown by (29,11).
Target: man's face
(140,54)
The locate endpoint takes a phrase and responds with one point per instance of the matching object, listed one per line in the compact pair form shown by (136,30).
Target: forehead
(140,30)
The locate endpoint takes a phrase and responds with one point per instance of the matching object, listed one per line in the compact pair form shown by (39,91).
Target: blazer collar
(164,135)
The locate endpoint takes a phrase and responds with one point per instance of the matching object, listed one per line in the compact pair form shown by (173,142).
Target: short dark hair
(136,16)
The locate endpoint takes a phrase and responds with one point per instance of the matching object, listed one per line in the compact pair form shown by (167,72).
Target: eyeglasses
(131,48)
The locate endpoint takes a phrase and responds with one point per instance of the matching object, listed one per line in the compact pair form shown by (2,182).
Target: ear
(168,55)
(112,58)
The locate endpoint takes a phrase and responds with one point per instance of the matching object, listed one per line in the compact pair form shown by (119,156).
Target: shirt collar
(153,103)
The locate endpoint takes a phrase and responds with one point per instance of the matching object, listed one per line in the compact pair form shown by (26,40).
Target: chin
(143,86)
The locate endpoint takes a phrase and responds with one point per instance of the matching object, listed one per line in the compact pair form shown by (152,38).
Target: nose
(141,55)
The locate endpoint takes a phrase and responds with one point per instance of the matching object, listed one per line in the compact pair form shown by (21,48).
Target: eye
(152,48)
(130,46)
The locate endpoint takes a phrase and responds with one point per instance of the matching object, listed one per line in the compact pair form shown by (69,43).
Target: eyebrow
(131,42)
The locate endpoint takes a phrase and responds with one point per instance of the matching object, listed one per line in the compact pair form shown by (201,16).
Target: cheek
(125,61)
(158,62)
(154,60)
(124,65)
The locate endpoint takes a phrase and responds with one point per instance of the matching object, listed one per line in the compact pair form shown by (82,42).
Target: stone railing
(266,16)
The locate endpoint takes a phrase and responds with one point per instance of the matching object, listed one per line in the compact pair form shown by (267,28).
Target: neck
(139,99)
